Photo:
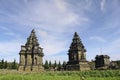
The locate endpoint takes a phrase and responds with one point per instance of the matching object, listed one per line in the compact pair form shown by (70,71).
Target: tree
(2,64)
(64,65)
(55,64)
(14,65)
(5,65)
(59,66)
(50,65)
(46,65)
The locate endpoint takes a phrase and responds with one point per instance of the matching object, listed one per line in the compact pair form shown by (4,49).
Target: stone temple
(31,55)
(102,62)
(77,55)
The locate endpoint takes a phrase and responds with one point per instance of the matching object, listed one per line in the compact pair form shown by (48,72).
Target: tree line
(8,65)
(48,65)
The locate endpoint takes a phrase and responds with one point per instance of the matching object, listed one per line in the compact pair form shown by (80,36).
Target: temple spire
(77,43)
(75,34)
(32,39)
(33,31)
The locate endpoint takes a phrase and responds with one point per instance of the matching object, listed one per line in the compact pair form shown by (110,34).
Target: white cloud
(7,31)
(102,4)
(53,47)
(114,56)
(61,5)
(54,14)
(97,38)
(10,50)
(113,46)
(111,17)
(52,44)
(9,47)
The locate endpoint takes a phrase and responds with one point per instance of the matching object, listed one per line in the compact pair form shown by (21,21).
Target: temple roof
(102,56)
(32,39)
(32,45)
(76,43)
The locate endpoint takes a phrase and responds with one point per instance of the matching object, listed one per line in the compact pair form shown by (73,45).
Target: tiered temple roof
(77,46)
(32,45)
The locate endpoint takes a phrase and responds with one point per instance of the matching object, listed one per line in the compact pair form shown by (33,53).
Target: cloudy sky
(96,21)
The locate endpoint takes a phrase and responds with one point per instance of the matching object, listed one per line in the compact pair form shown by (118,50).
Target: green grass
(62,75)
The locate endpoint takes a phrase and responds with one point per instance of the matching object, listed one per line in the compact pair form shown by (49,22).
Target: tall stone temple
(31,55)
(77,55)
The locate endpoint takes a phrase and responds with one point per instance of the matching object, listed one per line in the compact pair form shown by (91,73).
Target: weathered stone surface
(31,55)
(77,55)
(102,62)
(115,64)
(81,66)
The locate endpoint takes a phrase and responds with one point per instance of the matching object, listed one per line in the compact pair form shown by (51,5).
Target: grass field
(62,75)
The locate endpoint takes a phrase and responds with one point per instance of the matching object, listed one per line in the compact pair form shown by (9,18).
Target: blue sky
(96,21)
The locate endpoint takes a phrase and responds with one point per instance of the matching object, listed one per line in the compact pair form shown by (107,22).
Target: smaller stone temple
(102,62)
(77,55)
(31,55)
